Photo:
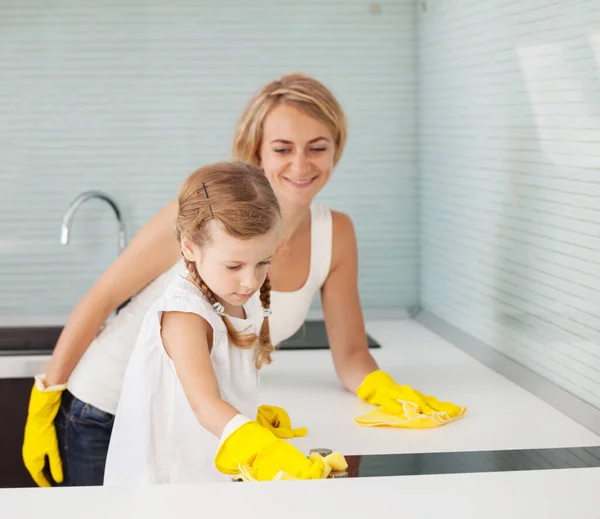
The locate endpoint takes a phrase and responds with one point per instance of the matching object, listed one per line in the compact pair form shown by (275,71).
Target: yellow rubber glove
(255,451)
(333,461)
(278,421)
(40,439)
(402,406)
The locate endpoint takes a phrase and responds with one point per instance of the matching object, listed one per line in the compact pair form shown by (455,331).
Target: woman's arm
(151,252)
(341,306)
(186,339)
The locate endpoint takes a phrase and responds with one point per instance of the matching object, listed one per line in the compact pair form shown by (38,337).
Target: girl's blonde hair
(299,90)
(238,197)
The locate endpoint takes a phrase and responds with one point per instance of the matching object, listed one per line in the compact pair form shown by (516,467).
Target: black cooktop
(40,340)
(312,336)
(472,461)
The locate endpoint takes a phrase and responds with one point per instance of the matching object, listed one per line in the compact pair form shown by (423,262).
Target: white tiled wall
(118,95)
(131,96)
(509,162)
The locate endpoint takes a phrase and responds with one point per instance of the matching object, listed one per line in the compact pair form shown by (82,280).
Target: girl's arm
(151,252)
(187,338)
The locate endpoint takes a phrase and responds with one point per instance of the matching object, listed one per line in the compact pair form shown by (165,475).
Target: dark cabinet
(14,399)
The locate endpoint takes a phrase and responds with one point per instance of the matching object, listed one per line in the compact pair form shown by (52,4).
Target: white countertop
(500,415)
(551,494)
(22,366)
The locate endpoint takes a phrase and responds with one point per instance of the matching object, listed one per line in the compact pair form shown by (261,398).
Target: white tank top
(156,437)
(98,377)
(291,308)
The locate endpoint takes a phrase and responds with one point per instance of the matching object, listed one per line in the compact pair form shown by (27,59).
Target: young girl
(193,374)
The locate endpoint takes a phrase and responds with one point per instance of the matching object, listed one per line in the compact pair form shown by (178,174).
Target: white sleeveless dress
(156,437)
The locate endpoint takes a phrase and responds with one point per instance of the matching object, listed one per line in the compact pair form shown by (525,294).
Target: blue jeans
(83,434)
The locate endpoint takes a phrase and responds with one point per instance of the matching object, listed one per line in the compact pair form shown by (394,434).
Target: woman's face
(297,154)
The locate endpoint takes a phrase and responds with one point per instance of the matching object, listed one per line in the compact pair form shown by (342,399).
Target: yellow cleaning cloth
(410,418)
(402,406)
(334,461)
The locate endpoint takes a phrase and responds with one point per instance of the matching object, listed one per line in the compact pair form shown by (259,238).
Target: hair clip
(266,312)
(220,309)
(209,206)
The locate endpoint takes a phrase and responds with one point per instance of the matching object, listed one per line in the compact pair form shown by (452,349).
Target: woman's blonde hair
(299,90)
(238,197)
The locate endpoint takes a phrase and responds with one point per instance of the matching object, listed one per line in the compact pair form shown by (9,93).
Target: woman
(295,130)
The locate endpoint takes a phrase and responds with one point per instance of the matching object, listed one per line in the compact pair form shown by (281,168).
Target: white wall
(509,162)
(131,96)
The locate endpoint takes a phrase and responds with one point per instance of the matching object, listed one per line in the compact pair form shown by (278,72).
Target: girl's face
(233,269)
(297,154)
